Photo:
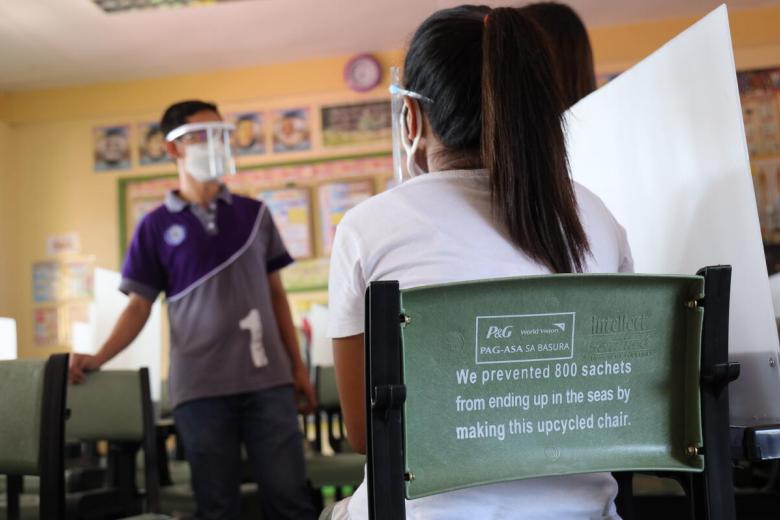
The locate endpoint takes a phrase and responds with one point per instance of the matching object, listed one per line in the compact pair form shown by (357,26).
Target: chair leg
(625,496)
(13,490)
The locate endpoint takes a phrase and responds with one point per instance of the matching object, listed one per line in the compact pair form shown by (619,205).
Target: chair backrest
(116,406)
(325,388)
(21,385)
(107,406)
(32,407)
(530,377)
(329,406)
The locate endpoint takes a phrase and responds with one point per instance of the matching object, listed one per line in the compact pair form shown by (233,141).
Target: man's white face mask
(207,152)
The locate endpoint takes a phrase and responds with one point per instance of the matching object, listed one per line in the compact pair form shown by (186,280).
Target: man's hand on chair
(80,364)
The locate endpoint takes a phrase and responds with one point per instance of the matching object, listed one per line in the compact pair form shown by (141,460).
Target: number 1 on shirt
(254,325)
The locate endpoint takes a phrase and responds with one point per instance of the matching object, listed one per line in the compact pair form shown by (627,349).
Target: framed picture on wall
(151,145)
(111,148)
(249,136)
(356,124)
(291,130)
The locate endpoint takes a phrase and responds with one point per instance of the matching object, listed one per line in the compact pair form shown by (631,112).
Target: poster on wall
(362,123)
(291,130)
(292,216)
(151,145)
(62,292)
(46,327)
(111,148)
(759,92)
(249,136)
(46,282)
(335,200)
(65,244)
(766,180)
(78,279)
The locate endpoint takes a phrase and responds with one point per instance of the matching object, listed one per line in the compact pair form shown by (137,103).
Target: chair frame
(51,453)
(121,471)
(711,492)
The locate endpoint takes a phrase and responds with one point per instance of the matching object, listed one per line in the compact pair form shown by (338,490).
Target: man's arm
(349,360)
(127,327)
(306,398)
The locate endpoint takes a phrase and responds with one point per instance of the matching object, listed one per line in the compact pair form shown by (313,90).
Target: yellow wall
(5,219)
(46,181)
(754,33)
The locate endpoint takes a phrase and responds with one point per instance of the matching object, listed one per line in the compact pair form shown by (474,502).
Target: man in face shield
(236,374)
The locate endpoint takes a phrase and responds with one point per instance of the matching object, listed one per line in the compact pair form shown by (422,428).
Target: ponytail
(523,145)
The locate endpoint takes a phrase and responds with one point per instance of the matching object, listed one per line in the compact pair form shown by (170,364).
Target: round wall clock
(362,73)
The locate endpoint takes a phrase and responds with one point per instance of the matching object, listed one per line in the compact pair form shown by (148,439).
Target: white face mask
(198,162)
(206,149)
(410,147)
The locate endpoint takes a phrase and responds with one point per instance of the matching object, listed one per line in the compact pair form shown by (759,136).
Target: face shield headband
(207,152)
(404,148)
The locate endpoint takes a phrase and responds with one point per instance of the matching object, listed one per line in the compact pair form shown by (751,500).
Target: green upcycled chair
(490,374)
(343,467)
(116,406)
(328,415)
(32,407)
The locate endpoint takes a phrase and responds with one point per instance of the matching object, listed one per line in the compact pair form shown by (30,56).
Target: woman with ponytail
(490,197)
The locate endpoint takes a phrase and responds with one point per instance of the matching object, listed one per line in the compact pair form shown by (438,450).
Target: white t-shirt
(439,228)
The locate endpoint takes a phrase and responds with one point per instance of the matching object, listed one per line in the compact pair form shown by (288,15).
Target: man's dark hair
(177,114)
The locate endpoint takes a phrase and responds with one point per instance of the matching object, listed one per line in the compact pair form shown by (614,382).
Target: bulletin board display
(760,97)
(306,199)
(62,292)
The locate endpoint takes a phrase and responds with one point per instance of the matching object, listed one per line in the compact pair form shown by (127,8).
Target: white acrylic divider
(8,346)
(664,146)
(144,351)
(321,350)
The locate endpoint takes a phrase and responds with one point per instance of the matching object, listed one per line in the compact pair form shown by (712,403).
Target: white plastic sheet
(8,344)
(145,351)
(664,146)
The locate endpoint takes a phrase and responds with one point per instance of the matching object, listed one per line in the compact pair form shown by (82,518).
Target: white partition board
(8,346)
(321,349)
(145,351)
(663,145)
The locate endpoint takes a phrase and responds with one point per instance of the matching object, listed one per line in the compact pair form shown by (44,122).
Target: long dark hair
(496,98)
(570,45)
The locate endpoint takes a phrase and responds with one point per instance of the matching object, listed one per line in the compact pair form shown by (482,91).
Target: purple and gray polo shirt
(212,263)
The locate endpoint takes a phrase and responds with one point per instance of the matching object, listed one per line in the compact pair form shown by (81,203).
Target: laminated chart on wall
(335,200)
(62,292)
(664,147)
(291,214)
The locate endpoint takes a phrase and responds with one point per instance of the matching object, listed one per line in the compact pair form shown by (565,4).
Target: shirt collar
(175,203)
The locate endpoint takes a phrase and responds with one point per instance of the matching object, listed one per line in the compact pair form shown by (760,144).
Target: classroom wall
(754,34)
(47,185)
(5,218)
(53,179)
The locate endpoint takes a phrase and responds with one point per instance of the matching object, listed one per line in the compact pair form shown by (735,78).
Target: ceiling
(46,43)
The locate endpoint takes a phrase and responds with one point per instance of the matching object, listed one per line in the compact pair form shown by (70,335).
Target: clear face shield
(207,152)
(404,146)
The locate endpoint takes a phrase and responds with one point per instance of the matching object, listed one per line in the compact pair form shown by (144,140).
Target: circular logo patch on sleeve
(175,235)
